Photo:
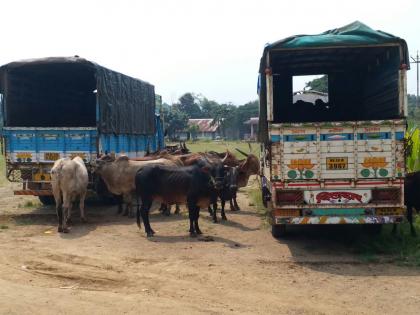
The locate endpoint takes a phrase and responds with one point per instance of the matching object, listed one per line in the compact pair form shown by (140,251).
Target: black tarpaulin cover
(126,104)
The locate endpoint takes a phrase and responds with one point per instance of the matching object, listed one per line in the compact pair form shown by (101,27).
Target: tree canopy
(229,117)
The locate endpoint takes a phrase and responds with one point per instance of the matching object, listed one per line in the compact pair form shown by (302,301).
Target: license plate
(337,163)
(51,156)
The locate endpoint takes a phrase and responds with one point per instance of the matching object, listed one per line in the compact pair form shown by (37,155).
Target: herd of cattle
(170,177)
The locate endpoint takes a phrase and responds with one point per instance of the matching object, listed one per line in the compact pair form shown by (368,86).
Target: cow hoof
(60,229)
(199,232)
(69,221)
(193,234)
(150,234)
(66,230)
(224,218)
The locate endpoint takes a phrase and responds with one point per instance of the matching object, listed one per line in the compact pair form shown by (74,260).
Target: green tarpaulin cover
(354,34)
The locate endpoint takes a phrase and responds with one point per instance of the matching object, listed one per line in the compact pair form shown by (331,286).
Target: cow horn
(242,152)
(224,159)
(250,147)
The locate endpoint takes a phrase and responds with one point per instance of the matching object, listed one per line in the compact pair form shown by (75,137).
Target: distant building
(205,131)
(253,123)
(206,128)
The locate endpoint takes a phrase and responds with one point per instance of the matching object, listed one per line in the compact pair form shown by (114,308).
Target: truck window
(361,84)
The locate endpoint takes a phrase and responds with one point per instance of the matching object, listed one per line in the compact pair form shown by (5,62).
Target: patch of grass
(29,204)
(255,196)
(3,227)
(401,248)
(221,146)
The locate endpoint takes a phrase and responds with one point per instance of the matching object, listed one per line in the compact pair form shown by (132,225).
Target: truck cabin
(359,69)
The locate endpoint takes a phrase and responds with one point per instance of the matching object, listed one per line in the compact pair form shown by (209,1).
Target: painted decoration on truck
(300,169)
(376,165)
(354,196)
(340,220)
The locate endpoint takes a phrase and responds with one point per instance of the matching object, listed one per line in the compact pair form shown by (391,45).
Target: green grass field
(221,146)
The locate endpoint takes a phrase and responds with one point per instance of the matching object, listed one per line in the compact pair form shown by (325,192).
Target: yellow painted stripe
(305,220)
(323,220)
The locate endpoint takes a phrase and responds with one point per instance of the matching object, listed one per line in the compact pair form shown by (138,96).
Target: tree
(208,108)
(319,84)
(188,105)
(175,121)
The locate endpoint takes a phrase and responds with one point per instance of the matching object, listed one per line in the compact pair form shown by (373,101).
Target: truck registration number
(337,163)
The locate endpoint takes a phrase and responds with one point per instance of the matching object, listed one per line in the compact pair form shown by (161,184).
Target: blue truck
(58,107)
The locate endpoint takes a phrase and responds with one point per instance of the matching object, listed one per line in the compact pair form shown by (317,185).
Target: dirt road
(108,266)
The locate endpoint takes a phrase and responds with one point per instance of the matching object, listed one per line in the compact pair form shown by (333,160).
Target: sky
(208,47)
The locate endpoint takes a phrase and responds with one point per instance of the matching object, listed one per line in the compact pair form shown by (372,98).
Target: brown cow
(118,175)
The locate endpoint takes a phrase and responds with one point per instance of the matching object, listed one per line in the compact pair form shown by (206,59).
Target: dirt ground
(108,266)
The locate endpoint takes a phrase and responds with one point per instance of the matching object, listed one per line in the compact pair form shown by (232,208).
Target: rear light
(392,195)
(289,197)
(286,213)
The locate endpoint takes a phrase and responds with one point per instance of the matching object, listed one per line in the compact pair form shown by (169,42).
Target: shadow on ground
(339,249)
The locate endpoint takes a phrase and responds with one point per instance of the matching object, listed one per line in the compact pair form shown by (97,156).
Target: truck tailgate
(327,151)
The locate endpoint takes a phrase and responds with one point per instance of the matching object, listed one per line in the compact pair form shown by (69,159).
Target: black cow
(227,193)
(197,186)
(412,196)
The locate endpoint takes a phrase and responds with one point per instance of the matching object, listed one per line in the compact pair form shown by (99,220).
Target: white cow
(69,180)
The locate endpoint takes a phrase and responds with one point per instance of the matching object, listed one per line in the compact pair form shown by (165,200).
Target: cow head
(215,170)
(249,166)
(103,160)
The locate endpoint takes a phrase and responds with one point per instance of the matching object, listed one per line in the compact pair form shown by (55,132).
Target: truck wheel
(47,200)
(372,229)
(278,230)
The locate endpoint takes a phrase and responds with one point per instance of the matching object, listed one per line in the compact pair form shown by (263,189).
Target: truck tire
(47,200)
(278,230)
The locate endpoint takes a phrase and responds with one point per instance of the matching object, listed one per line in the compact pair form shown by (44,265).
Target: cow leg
(232,206)
(82,206)
(66,206)
(191,210)
(165,209)
(236,203)
(410,219)
(196,216)
(119,200)
(214,212)
(223,210)
(177,209)
(58,208)
(144,210)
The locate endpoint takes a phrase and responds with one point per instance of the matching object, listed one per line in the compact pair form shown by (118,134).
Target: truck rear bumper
(372,219)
